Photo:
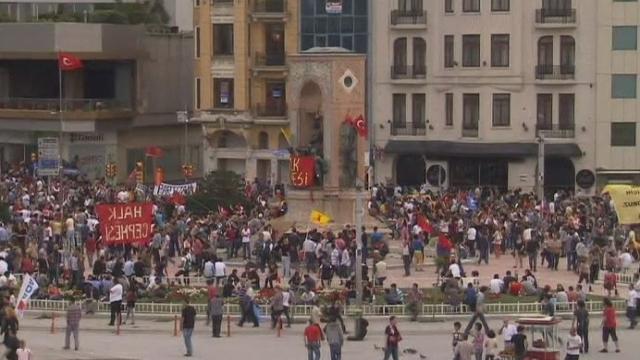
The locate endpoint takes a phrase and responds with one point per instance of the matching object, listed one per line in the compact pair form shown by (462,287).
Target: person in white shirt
(508,330)
(496,284)
(632,306)
(286,303)
(574,344)
(115,301)
(626,259)
(246,241)
(454,269)
(207,272)
(471,241)
(220,271)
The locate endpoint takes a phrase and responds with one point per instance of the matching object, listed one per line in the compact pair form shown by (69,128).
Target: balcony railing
(262,110)
(556,16)
(263,60)
(470,133)
(408,71)
(222,2)
(48,104)
(269,6)
(408,129)
(557,131)
(555,72)
(408,17)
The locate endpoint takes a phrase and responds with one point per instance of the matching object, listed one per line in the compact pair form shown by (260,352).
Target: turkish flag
(69,62)
(178,199)
(361,125)
(154,152)
(424,224)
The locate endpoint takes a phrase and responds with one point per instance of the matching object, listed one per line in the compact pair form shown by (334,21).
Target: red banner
(303,171)
(126,223)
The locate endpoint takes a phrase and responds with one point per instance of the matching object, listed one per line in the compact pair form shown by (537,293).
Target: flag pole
(60,166)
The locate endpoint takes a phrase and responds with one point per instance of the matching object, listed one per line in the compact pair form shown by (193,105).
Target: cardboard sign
(303,171)
(126,223)
(169,189)
(626,199)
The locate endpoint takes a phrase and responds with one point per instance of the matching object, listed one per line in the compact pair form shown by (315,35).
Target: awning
(471,149)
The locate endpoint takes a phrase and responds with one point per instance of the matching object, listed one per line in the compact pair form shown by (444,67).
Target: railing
(408,17)
(41,104)
(558,131)
(222,2)
(270,111)
(408,72)
(408,129)
(269,59)
(556,16)
(470,133)
(368,310)
(269,6)
(555,72)
(622,278)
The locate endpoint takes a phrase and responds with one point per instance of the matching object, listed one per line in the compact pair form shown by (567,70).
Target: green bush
(219,188)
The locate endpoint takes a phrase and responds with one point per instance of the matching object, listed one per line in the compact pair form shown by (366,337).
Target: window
(347,29)
(197,54)
(418,111)
(470,6)
(400,110)
(409,6)
(448,6)
(223,93)
(197,91)
(419,56)
(501,109)
(197,3)
(448,51)
(500,50)
(223,39)
(263,140)
(448,105)
(471,50)
(545,50)
(500,5)
(556,7)
(623,134)
(566,111)
(471,111)
(567,55)
(625,38)
(545,111)
(623,86)
(400,55)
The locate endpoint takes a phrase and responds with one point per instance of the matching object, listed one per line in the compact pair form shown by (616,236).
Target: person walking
(574,345)
(188,323)
(74,314)
(335,338)
(312,338)
(277,307)
(132,297)
(415,297)
(393,339)
(216,311)
(581,324)
(115,302)
(632,306)
(609,325)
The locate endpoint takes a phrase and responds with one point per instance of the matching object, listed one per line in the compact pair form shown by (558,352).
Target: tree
(218,188)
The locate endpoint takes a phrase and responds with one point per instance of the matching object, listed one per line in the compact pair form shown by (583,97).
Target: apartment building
(618,155)
(123,100)
(465,90)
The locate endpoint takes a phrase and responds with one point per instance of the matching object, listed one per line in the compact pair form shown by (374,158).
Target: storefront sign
(169,189)
(333,7)
(122,224)
(436,175)
(626,199)
(303,171)
(48,156)
(585,178)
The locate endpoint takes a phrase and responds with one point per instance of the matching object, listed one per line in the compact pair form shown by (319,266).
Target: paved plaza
(150,339)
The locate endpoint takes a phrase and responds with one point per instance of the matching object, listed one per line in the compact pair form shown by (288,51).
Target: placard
(122,224)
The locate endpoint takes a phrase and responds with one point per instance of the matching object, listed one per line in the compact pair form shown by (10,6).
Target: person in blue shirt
(376,236)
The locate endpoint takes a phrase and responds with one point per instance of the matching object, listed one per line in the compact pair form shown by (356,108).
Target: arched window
(567,54)
(419,56)
(545,56)
(400,56)
(263,140)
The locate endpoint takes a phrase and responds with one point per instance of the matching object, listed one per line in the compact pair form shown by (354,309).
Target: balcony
(269,10)
(556,131)
(74,109)
(399,128)
(409,19)
(269,63)
(408,72)
(556,17)
(270,111)
(555,72)
(469,133)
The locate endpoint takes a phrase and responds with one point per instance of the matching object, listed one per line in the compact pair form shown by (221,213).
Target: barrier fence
(366,310)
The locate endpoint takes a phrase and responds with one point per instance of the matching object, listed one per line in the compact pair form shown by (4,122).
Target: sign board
(303,171)
(626,199)
(169,189)
(333,7)
(122,224)
(48,156)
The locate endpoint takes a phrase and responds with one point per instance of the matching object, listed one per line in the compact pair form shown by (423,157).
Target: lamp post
(359,214)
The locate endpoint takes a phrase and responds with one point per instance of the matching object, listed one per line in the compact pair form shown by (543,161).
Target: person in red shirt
(312,339)
(609,325)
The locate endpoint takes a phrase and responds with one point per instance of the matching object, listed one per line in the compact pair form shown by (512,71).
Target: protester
(574,345)
(74,314)
(335,338)
(312,340)
(393,339)
(188,324)
(609,325)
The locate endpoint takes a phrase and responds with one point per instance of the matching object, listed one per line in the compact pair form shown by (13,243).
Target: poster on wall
(303,171)
(122,224)
(169,189)
(333,7)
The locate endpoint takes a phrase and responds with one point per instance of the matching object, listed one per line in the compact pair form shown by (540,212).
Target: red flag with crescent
(361,125)
(69,62)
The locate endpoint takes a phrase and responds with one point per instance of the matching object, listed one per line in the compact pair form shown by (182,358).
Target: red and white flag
(154,152)
(69,62)
(361,125)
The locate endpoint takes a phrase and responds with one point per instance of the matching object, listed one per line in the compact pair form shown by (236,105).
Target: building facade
(464,91)
(618,155)
(132,83)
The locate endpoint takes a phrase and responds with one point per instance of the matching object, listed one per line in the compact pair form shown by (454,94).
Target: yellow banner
(626,199)
(320,218)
